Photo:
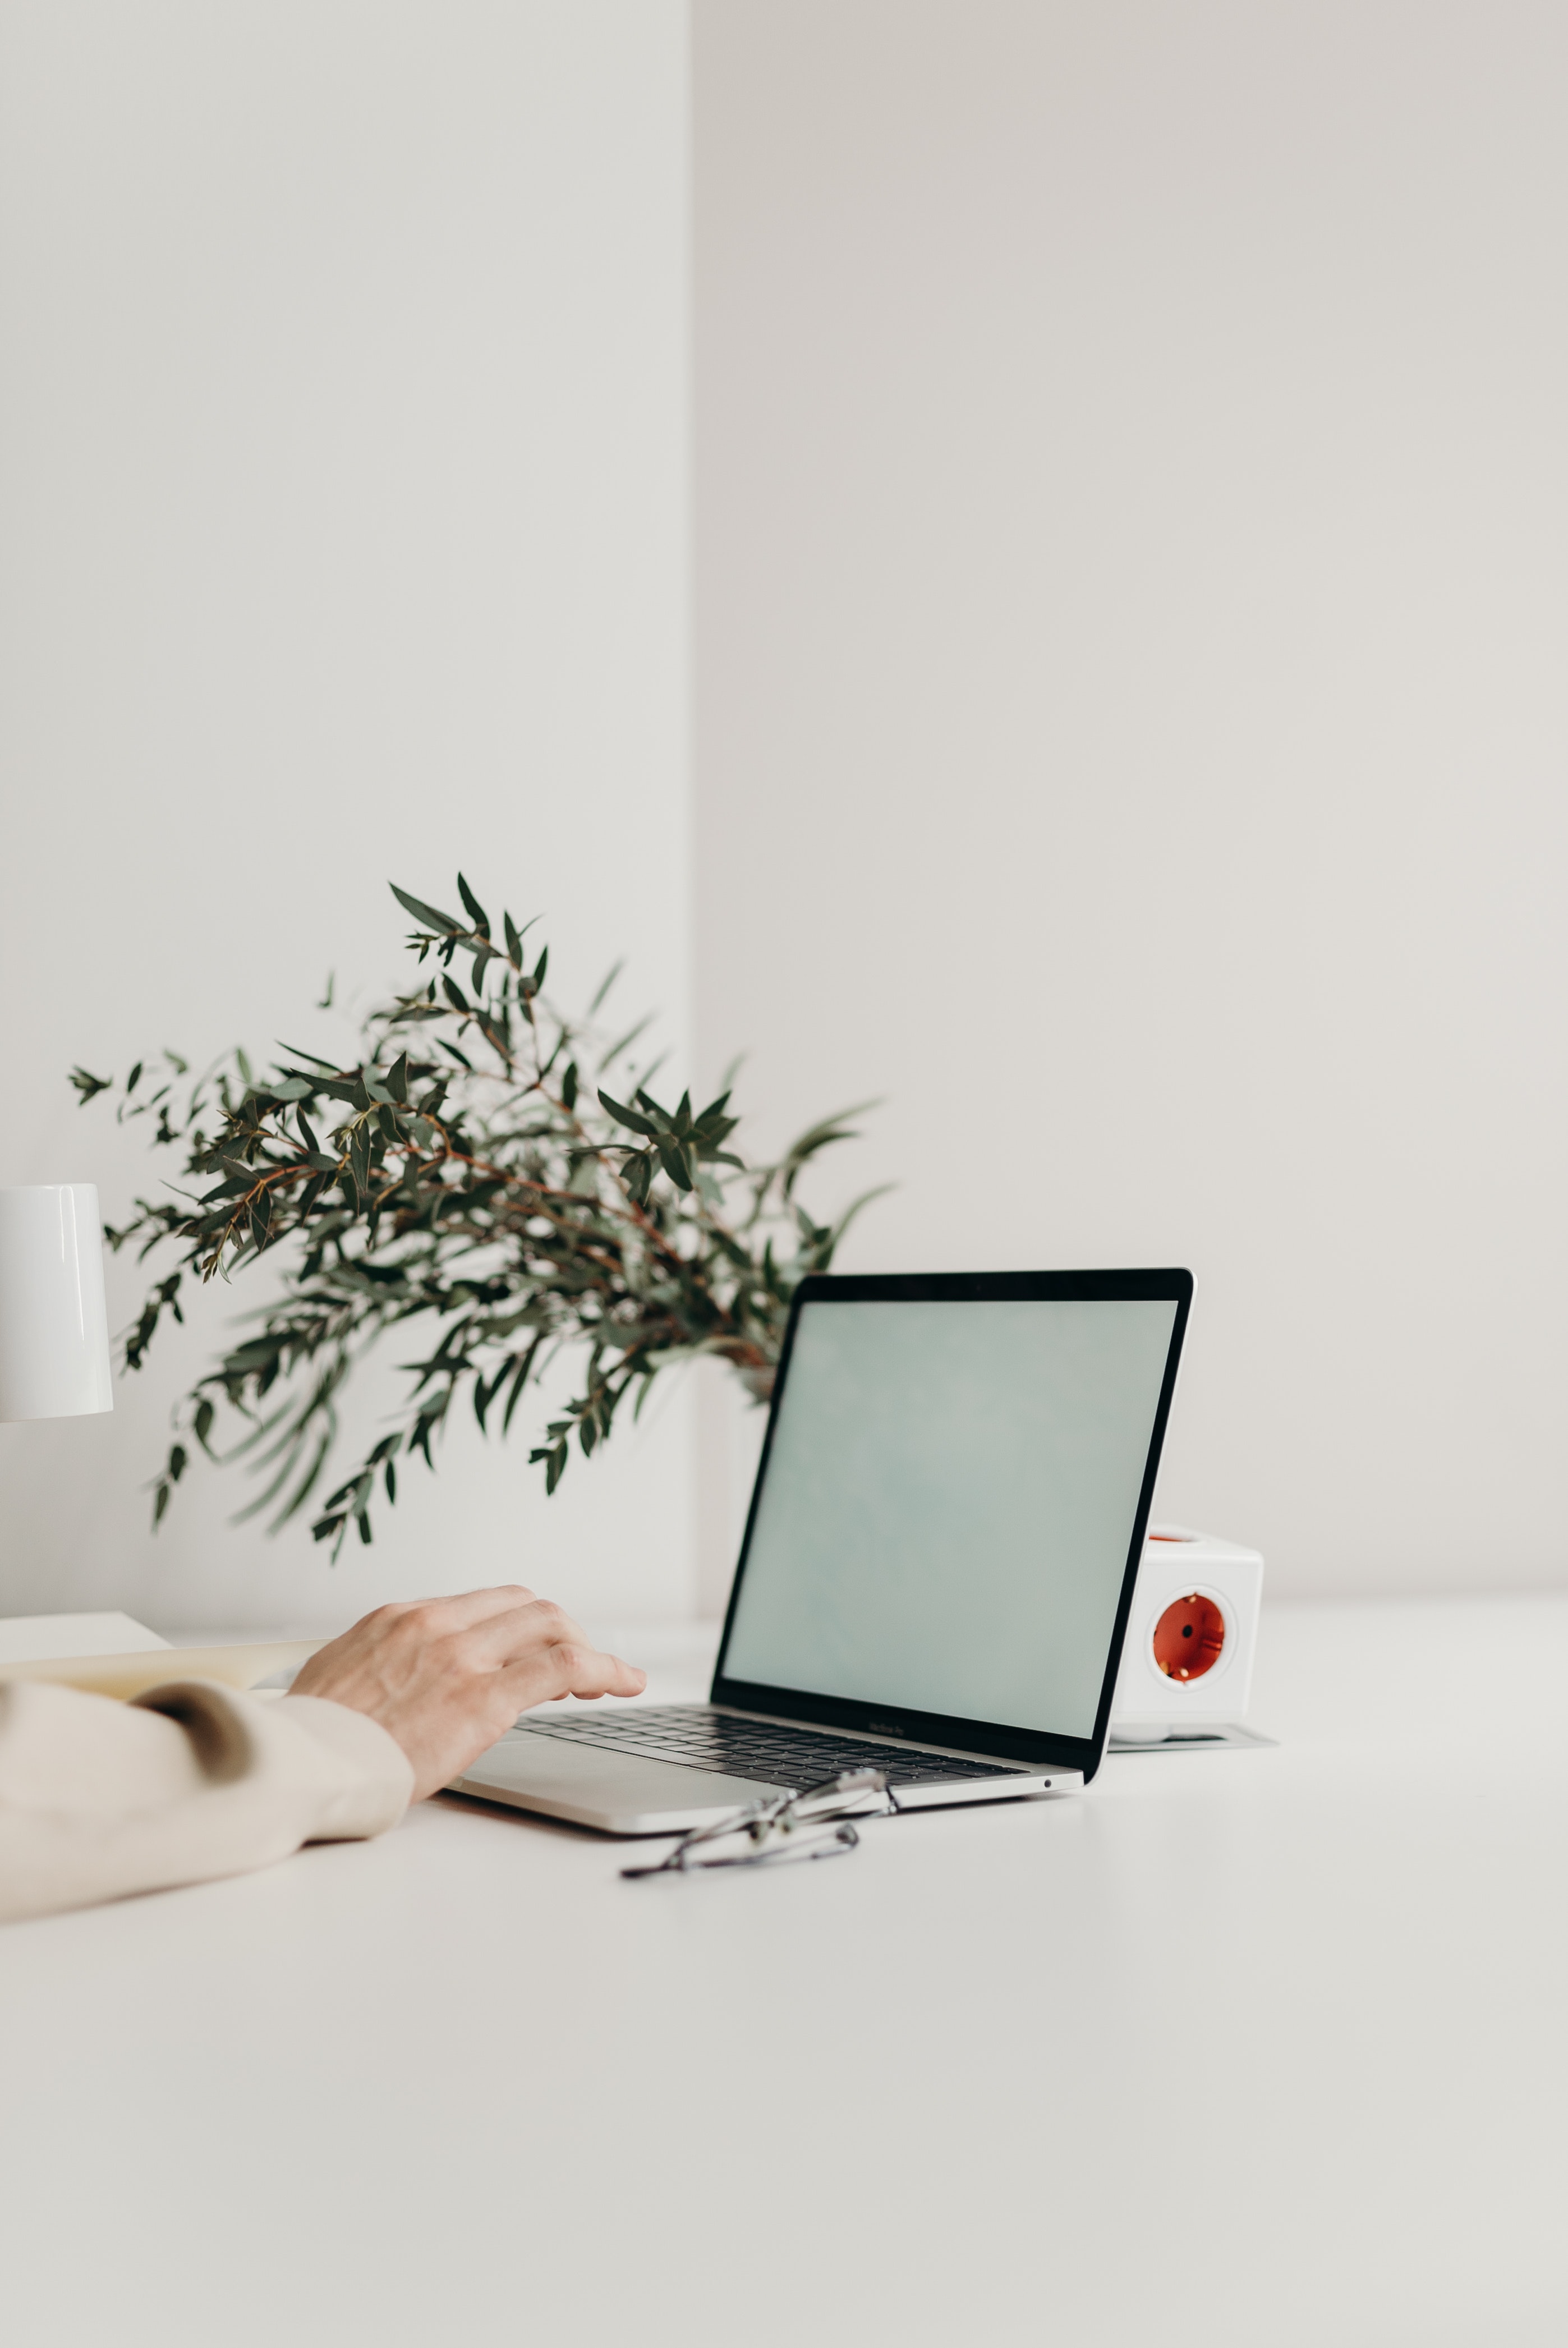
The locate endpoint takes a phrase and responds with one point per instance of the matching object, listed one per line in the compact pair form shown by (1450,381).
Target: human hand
(447,1676)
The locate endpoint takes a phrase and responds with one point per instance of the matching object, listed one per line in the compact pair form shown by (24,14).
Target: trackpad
(616,1788)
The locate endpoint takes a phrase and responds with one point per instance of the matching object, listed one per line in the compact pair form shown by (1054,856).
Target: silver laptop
(938,1563)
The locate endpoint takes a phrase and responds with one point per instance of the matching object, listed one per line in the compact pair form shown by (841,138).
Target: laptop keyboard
(700,1739)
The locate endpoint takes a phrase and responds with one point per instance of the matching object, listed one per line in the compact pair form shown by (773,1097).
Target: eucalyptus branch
(471,1172)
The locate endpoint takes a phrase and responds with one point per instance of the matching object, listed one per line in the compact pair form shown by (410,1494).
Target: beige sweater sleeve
(192,1780)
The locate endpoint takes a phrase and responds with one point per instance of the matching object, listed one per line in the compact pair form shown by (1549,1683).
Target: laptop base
(620,1771)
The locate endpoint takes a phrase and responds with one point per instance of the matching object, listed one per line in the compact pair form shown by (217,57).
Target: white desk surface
(1261,2047)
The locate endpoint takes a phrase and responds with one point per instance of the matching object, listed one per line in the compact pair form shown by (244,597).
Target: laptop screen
(948,1503)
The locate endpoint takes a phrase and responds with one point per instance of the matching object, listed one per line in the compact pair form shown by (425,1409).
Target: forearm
(99,1799)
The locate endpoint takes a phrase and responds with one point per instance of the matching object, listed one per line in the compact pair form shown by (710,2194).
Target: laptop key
(776,1754)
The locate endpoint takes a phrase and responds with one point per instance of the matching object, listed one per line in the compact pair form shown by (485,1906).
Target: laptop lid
(950,1506)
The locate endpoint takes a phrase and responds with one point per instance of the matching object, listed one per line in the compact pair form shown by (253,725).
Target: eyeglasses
(813,1824)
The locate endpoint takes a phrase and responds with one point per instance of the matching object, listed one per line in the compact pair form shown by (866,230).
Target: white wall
(343,426)
(1129,586)
(1130,566)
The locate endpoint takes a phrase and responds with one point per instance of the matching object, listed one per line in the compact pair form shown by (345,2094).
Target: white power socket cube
(1193,1632)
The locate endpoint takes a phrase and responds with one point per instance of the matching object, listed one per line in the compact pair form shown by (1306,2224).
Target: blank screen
(948,1505)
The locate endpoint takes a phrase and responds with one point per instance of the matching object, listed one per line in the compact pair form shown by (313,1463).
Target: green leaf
(605,983)
(554,1458)
(569,1085)
(397,1078)
(520,1379)
(331,1066)
(513,938)
(848,1217)
(306,1486)
(134,1079)
(629,1117)
(479,918)
(626,1041)
(88,1084)
(425,913)
(818,1137)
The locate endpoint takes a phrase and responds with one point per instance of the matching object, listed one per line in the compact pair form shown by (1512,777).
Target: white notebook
(35,1638)
(111,1654)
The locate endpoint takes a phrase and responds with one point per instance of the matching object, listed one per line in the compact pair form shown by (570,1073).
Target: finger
(629,1679)
(523,1630)
(580,1671)
(593,1673)
(443,1616)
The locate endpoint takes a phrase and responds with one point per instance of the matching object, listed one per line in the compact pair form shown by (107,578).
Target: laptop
(938,1563)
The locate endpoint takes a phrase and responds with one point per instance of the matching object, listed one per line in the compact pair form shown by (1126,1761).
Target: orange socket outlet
(1188,1638)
